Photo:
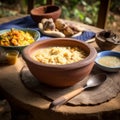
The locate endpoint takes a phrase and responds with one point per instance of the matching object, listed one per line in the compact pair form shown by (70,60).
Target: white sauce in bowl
(109,61)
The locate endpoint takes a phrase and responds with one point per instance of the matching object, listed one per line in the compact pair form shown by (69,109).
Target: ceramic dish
(59,28)
(34,33)
(64,75)
(47,11)
(111,64)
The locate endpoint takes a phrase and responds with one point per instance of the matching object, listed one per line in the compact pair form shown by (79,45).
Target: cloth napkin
(27,22)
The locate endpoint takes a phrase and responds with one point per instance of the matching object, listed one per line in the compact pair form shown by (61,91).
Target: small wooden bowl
(105,44)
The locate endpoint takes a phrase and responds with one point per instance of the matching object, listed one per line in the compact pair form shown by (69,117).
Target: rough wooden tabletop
(18,95)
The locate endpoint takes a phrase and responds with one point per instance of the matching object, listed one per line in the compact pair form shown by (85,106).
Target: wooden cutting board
(108,90)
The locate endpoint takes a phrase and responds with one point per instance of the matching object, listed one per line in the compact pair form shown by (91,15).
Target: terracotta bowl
(48,11)
(107,40)
(60,75)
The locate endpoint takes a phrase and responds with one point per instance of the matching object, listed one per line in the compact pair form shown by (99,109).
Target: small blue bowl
(34,33)
(107,53)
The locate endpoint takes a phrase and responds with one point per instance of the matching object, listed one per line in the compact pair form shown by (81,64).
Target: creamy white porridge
(59,55)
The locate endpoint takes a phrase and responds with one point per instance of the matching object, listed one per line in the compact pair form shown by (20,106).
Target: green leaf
(88,20)
(84,3)
(81,16)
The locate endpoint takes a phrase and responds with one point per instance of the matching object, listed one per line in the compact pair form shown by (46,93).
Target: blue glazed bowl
(104,67)
(34,33)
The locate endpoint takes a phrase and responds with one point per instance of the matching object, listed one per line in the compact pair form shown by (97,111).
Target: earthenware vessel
(48,11)
(60,75)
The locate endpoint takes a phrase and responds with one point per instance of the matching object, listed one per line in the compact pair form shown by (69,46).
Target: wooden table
(37,106)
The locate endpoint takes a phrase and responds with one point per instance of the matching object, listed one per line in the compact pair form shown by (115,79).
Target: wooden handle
(63,99)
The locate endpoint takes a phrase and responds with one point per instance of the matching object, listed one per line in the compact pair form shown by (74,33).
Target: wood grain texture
(108,90)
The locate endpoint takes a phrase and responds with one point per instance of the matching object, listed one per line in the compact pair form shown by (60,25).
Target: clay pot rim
(89,59)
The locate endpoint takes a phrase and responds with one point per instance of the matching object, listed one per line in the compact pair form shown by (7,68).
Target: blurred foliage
(85,11)
(80,10)
(115,6)
(7,12)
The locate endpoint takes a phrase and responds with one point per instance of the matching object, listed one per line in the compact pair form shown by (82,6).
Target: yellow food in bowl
(59,55)
(110,61)
(16,37)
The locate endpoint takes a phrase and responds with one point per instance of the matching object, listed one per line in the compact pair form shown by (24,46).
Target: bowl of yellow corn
(17,39)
